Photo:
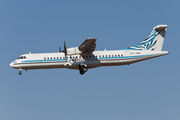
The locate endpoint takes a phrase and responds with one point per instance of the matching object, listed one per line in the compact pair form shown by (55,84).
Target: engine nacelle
(73,50)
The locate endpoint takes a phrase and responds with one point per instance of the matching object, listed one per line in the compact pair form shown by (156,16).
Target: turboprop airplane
(84,57)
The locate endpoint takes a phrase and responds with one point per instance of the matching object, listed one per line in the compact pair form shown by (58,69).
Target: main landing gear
(82,69)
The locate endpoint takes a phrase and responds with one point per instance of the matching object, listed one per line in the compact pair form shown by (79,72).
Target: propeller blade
(65,50)
(59,48)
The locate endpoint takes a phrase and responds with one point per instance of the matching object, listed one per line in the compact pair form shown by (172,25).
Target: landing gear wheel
(81,72)
(20,72)
(82,69)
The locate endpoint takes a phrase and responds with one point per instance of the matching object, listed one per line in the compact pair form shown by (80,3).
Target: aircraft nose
(11,64)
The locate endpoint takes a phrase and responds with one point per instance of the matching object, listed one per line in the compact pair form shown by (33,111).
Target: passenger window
(121,55)
(99,56)
(48,58)
(112,56)
(109,55)
(44,58)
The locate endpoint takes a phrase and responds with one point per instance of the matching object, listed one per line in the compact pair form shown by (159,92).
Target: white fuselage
(96,59)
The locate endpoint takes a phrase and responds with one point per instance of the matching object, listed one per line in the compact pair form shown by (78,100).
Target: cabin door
(127,53)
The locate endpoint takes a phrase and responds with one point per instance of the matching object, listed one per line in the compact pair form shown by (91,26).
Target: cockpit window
(22,57)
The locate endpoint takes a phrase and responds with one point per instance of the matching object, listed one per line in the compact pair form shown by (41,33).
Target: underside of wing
(88,46)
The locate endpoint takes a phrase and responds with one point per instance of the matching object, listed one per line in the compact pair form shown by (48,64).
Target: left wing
(88,46)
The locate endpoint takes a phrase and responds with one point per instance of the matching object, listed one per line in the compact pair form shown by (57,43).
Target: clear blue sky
(148,90)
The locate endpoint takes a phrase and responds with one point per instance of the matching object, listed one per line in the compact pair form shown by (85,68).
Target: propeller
(65,50)
(60,48)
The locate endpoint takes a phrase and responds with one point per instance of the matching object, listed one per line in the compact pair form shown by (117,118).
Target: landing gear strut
(82,69)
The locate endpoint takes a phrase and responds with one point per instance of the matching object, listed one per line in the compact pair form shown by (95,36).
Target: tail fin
(154,41)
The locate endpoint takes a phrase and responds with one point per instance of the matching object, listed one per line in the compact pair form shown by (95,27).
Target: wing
(88,46)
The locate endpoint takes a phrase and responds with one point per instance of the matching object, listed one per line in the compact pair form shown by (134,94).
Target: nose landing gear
(20,71)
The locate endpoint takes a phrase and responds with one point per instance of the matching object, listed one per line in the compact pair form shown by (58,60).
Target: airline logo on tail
(154,41)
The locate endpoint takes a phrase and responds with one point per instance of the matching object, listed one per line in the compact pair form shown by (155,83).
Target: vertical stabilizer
(154,41)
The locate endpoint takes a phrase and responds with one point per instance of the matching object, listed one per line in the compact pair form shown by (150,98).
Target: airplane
(85,57)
